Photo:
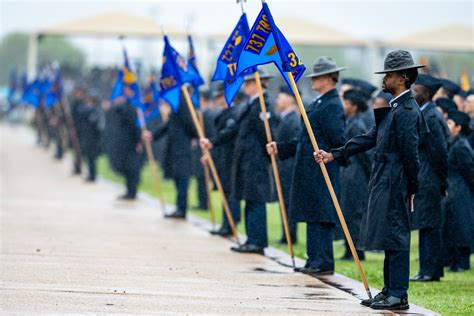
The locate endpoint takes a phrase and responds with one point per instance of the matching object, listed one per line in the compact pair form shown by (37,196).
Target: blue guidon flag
(175,72)
(55,91)
(192,63)
(266,44)
(227,61)
(151,101)
(126,84)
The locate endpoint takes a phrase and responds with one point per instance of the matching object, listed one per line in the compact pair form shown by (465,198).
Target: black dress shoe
(223,232)
(248,248)
(126,197)
(176,215)
(316,271)
(423,278)
(391,303)
(377,298)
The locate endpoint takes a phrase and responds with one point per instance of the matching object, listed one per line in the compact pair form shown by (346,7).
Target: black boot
(391,303)
(223,232)
(176,215)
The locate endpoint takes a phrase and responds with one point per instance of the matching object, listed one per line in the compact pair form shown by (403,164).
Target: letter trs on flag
(266,44)
(226,68)
(174,73)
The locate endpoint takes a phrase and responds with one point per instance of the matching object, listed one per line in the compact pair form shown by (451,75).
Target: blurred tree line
(14,51)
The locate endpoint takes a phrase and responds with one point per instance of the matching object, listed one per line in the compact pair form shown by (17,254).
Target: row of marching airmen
(400,158)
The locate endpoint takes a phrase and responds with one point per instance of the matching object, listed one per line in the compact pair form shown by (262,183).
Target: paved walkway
(70,247)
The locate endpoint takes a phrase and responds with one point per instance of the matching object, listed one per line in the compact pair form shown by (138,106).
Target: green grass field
(454,295)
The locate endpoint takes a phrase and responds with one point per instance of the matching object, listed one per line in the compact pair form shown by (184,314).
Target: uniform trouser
(291,224)
(234,207)
(182,184)
(202,192)
(396,273)
(59,148)
(461,255)
(132,174)
(77,164)
(132,177)
(256,223)
(91,161)
(319,249)
(430,252)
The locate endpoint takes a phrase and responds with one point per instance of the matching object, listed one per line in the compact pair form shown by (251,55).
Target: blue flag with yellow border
(227,61)
(266,44)
(126,84)
(175,72)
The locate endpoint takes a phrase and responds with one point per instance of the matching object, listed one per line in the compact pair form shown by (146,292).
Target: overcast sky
(368,20)
(365,19)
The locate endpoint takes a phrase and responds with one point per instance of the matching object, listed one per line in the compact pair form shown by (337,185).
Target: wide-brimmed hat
(263,75)
(323,66)
(218,89)
(398,60)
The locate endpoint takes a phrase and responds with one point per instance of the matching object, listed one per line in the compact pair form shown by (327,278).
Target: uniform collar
(400,98)
(331,93)
(285,114)
(425,106)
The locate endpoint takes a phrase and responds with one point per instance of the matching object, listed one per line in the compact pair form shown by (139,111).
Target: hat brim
(398,69)
(317,74)
(252,77)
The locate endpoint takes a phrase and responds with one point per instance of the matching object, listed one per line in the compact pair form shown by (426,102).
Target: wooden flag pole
(42,130)
(276,174)
(151,160)
(72,129)
(60,128)
(329,184)
(207,180)
(212,166)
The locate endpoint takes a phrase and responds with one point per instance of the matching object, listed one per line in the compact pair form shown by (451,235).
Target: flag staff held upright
(210,161)
(207,180)
(289,66)
(276,174)
(172,84)
(149,150)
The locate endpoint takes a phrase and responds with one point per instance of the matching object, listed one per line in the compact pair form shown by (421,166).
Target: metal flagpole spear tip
(369,294)
(242,4)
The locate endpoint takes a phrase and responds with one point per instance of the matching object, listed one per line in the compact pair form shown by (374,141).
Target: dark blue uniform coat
(460,202)
(433,171)
(394,175)
(354,180)
(310,200)
(251,174)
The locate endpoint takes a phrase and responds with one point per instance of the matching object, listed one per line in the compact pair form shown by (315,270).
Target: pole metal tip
(369,294)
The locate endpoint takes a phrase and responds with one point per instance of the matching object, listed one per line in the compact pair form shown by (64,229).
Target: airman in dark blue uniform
(355,176)
(310,199)
(460,200)
(251,174)
(394,178)
(433,181)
